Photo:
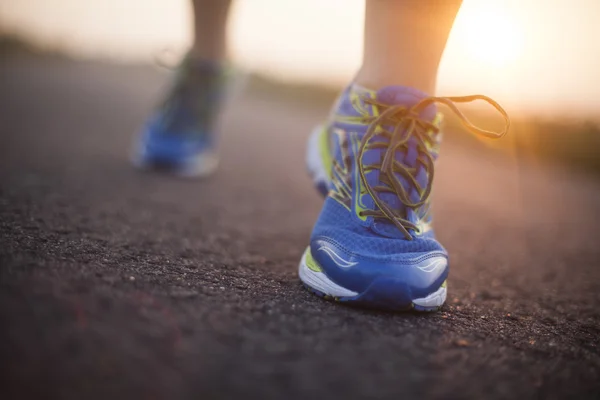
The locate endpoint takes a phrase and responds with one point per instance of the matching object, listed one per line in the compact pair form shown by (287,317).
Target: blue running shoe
(373,243)
(179,136)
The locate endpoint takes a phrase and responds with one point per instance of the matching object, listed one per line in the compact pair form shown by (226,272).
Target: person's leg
(373,243)
(404,41)
(179,137)
(210,29)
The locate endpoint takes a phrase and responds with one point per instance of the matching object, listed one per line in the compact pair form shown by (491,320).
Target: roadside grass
(560,140)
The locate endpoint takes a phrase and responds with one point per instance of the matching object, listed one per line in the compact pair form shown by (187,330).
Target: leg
(373,243)
(404,41)
(210,29)
(180,136)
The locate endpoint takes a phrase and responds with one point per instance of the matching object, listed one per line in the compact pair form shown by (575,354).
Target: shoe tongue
(407,97)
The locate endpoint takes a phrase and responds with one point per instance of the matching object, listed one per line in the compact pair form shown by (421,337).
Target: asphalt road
(116,284)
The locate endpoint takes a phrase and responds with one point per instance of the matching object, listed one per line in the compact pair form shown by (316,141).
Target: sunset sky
(536,55)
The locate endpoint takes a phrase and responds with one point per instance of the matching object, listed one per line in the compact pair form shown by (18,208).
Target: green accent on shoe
(310,261)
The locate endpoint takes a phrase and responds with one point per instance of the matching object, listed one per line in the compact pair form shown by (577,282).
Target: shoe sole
(200,166)
(384,293)
(317,145)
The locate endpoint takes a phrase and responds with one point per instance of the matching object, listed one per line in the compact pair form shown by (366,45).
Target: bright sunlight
(489,34)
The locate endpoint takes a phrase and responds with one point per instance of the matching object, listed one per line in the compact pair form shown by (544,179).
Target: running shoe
(179,137)
(373,243)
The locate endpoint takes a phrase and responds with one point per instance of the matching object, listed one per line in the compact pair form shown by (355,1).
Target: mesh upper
(336,223)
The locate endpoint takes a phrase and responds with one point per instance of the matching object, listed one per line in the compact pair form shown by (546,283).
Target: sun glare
(489,35)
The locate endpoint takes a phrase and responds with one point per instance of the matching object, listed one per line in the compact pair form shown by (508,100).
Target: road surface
(116,284)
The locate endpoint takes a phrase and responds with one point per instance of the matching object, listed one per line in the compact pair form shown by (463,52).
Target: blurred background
(535,57)
(534,54)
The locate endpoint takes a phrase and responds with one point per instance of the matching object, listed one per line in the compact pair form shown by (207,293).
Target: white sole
(202,165)
(314,160)
(319,281)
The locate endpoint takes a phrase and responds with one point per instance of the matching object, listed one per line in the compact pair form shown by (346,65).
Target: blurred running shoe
(373,243)
(179,137)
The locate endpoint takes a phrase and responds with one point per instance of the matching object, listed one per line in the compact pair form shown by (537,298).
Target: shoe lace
(181,102)
(407,124)
(190,100)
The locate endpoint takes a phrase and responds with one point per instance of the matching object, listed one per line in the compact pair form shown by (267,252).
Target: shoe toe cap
(417,274)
